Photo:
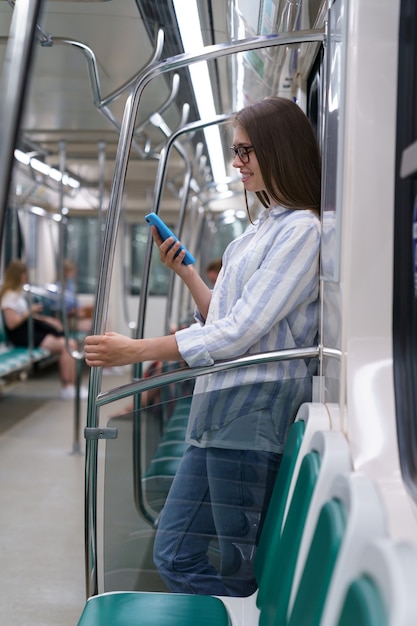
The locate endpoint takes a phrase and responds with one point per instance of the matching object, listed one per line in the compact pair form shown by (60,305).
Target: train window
(82,245)
(28,231)
(405,249)
(159,276)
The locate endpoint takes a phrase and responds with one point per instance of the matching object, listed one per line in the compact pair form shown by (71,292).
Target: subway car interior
(114,109)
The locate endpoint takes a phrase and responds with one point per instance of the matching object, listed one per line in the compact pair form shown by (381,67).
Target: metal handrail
(102,103)
(186,373)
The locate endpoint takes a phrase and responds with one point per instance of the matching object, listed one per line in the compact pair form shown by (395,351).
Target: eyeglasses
(242,152)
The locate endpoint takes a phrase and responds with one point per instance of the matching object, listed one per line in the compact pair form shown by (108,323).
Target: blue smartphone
(154,220)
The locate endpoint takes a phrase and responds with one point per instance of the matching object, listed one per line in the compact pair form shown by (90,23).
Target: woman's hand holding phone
(165,233)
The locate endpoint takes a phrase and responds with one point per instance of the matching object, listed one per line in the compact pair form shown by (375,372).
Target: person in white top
(47,331)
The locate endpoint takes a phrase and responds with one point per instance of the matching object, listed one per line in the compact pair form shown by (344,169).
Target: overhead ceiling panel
(120,35)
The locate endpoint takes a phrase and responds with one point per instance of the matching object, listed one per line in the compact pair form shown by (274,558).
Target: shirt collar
(273,211)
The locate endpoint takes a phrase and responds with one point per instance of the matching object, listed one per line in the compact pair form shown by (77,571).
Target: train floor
(42,577)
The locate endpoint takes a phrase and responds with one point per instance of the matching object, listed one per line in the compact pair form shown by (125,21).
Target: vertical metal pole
(76,444)
(101,181)
(13,86)
(76,354)
(15,232)
(61,244)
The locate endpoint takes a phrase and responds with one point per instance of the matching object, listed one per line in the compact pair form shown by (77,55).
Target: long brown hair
(13,276)
(287,152)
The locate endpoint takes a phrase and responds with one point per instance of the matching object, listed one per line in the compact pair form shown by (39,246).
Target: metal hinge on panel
(100,433)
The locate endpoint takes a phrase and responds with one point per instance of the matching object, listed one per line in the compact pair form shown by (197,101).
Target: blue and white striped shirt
(265,298)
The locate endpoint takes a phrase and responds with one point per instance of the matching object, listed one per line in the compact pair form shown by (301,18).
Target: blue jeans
(217,494)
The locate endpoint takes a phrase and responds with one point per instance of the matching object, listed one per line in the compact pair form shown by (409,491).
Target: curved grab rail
(102,103)
(162,165)
(98,100)
(176,376)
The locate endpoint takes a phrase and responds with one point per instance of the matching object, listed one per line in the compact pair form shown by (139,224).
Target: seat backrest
(3,335)
(335,458)
(348,521)
(311,417)
(367,522)
(275,589)
(317,418)
(328,456)
(382,590)
(318,569)
(276,508)
(363,605)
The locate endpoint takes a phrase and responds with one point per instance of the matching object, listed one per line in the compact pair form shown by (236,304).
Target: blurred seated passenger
(47,331)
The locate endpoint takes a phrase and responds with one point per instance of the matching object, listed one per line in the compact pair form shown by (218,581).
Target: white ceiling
(60,107)
(59,104)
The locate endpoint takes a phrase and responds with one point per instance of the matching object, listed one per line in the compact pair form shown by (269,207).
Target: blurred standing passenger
(265,298)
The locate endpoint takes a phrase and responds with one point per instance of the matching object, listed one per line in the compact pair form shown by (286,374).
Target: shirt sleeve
(287,277)
(12,300)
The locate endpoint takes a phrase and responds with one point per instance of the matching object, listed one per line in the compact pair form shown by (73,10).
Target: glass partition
(140,464)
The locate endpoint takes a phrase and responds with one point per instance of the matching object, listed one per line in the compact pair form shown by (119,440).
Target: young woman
(47,331)
(265,298)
